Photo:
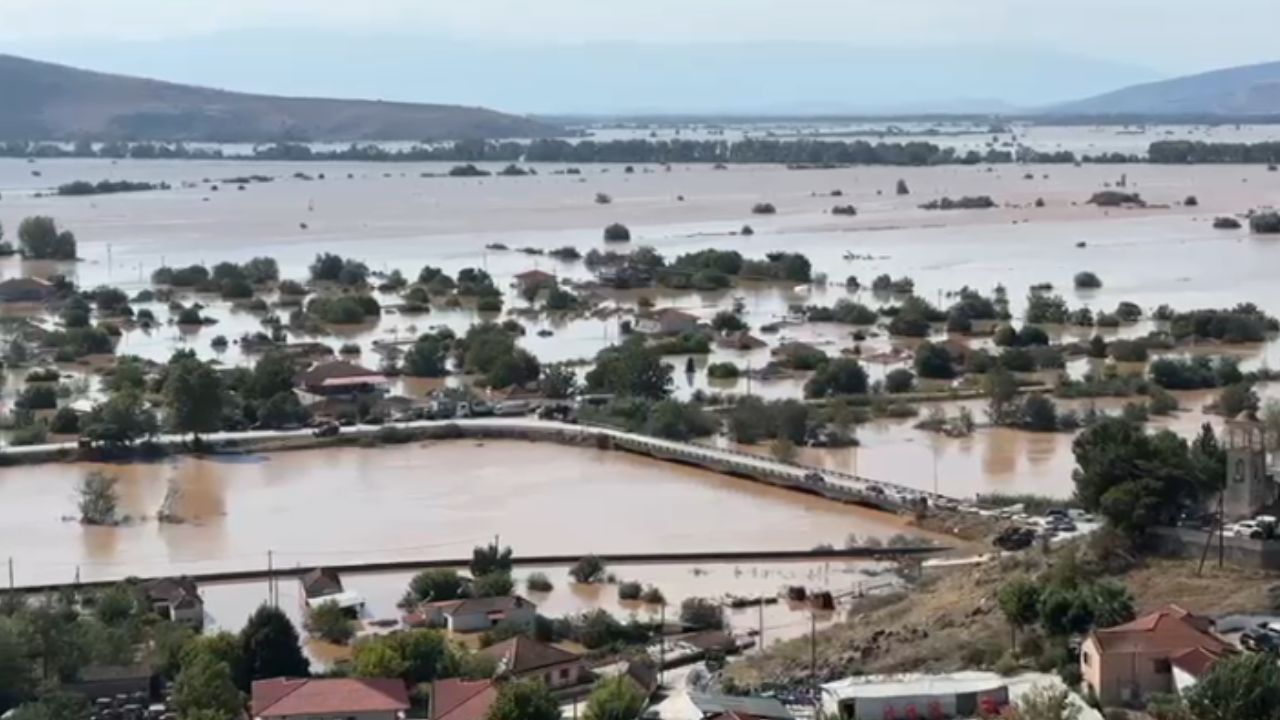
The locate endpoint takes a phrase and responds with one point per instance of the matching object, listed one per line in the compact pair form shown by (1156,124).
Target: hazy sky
(1169,36)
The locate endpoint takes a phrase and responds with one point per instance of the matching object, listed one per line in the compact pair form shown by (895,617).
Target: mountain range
(42,100)
(53,102)
(1236,92)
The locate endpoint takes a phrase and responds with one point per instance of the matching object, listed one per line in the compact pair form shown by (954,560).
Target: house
(474,614)
(175,599)
(740,340)
(455,699)
(642,675)
(339,378)
(667,321)
(1130,662)
(99,681)
(320,582)
(310,698)
(523,658)
(26,290)
(531,281)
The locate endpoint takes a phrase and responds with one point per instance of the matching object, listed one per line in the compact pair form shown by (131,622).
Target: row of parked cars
(1262,527)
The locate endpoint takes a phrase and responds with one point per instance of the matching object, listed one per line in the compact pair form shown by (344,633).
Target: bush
(722,371)
(1115,198)
(65,422)
(617,232)
(1265,223)
(39,375)
(1086,280)
(701,614)
(763,208)
(1226,223)
(842,376)
(328,622)
(190,316)
(899,380)
(844,210)
(977,202)
(589,569)
(629,590)
(902,188)
(934,362)
(37,397)
(653,596)
(539,583)
(1161,402)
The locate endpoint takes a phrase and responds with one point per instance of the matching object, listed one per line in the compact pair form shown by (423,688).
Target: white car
(1244,529)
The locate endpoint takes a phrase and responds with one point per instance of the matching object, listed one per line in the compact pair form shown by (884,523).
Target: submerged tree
(98,499)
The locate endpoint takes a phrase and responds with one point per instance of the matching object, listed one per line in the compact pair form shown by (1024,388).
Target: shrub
(39,375)
(1086,280)
(1115,198)
(65,422)
(37,397)
(902,188)
(701,614)
(538,582)
(589,569)
(653,596)
(1191,201)
(899,380)
(1226,223)
(629,590)
(722,371)
(977,202)
(934,362)
(844,210)
(190,316)
(842,376)
(1265,223)
(763,208)
(617,232)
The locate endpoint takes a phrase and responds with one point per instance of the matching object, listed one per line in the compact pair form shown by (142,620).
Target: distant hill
(45,101)
(1237,91)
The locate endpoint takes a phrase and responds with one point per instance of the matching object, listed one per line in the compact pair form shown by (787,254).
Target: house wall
(1119,678)
(192,617)
(476,622)
(558,676)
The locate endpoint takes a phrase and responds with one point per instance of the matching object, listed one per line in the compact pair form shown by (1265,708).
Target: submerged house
(322,585)
(522,658)
(534,280)
(473,614)
(667,321)
(175,599)
(339,379)
(26,290)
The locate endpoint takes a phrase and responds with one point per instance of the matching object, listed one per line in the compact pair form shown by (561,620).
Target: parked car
(329,429)
(1259,639)
(512,408)
(1245,529)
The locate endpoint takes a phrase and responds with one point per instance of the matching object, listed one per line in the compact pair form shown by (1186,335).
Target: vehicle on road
(329,429)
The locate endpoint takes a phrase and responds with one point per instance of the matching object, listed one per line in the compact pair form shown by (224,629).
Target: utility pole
(662,641)
(11,574)
(761,609)
(813,653)
(271,591)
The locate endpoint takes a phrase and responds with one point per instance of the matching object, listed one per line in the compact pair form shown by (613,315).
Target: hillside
(1237,91)
(44,101)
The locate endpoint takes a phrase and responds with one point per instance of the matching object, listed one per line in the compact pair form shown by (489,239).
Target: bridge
(830,484)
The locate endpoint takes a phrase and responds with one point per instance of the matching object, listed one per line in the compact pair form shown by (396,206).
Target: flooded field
(392,218)
(430,502)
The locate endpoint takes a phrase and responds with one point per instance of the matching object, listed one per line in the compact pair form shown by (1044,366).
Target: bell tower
(1249,487)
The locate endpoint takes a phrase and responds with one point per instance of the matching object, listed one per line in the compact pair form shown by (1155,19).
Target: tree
(1244,686)
(727,321)
(426,358)
(494,584)
(630,370)
(934,361)
(17,676)
(1087,280)
(226,648)
(205,684)
(524,700)
(487,559)
(270,646)
(330,623)
(377,658)
(842,376)
(272,375)
(40,239)
(1112,604)
(116,604)
(98,499)
(589,569)
(1135,480)
(701,614)
(617,232)
(1001,389)
(193,397)
(282,410)
(1019,600)
(558,382)
(120,421)
(902,188)
(1044,702)
(435,585)
(615,698)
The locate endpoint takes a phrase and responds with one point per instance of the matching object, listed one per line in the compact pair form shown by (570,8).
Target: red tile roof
(521,655)
(455,699)
(1170,630)
(535,274)
(1195,661)
(283,698)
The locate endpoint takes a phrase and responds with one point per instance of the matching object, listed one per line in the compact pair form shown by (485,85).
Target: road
(879,493)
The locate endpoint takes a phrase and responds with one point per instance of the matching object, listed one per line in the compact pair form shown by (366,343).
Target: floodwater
(430,501)
(392,218)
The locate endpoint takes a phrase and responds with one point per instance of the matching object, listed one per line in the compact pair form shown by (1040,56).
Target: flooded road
(430,501)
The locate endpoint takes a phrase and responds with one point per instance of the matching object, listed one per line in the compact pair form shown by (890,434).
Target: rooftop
(471,606)
(888,686)
(520,655)
(282,697)
(338,372)
(534,274)
(319,582)
(456,699)
(1170,629)
(763,708)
